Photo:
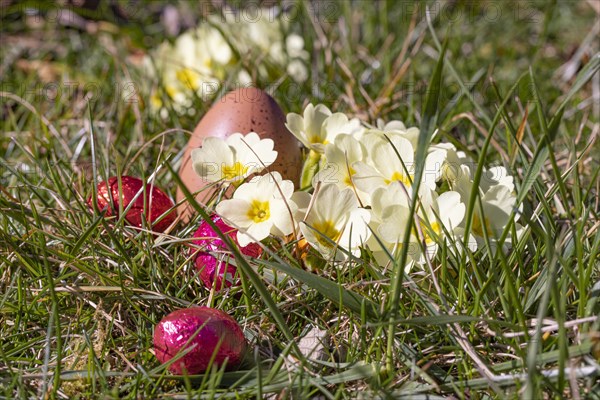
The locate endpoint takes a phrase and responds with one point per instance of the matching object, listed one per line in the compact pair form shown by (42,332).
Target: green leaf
(333,291)
(543,150)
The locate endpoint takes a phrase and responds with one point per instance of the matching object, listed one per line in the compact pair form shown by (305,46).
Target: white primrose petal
(243,239)
(333,204)
(235,212)
(389,165)
(495,217)
(252,138)
(412,135)
(497,176)
(246,191)
(459,234)
(208,160)
(285,187)
(393,194)
(316,240)
(451,210)
(367,178)
(463,184)
(345,151)
(433,168)
(234,139)
(302,201)
(260,230)
(330,174)
(394,223)
(404,148)
(314,117)
(355,128)
(392,126)
(252,152)
(335,125)
(356,232)
(212,147)
(378,204)
(259,189)
(295,124)
(372,138)
(502,197)
(282,216)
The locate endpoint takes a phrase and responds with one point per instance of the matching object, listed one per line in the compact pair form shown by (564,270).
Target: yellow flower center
(328,229)
(399,177)
(155,100)
(348,176)
(430,234)
(317,139)
(171,91)
(478,226)
(189,78)
(231,172)
(156,97)
(260,211)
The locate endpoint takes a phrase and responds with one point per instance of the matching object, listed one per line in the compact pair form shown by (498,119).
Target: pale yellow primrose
(376,172)
(232,159)
(259,208)
(319,126)
(201,58)
(335,220)
(390,158)
(498,201)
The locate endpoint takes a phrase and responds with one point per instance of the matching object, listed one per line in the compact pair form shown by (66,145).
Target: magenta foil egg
(202,331)
(214,260)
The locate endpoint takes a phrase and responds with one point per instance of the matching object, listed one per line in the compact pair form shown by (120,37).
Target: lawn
(515,85)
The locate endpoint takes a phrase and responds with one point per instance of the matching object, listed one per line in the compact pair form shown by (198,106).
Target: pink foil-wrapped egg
(216,269)
(203,331)
(157,202)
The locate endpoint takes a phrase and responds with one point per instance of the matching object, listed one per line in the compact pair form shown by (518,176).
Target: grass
(80,295)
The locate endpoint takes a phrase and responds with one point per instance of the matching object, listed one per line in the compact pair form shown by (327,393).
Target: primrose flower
(201,58)
(319,126)
(335,219)
(233,159)
(259,208)
(452,162)
(397,127)
(393,161)
(437,215)
(390,215)
(498,200)
(340,157)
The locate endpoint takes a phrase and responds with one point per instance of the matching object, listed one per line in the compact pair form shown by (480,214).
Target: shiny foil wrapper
(203,331)
(156,200)
(213,261)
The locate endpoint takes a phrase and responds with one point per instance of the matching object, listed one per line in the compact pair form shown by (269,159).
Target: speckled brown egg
(243,110)
(204,334)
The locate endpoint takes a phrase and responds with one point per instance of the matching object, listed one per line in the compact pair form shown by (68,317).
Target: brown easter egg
(240,111)
(109,196)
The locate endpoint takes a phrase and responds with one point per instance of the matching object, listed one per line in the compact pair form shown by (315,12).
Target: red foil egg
(157,202)
(202,331)
(215,269)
